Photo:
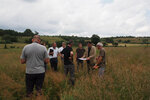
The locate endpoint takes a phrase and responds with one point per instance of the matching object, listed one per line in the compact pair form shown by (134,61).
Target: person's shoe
(39,93)
(29,95)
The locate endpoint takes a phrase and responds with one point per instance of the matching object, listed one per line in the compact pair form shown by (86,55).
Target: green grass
(127,77)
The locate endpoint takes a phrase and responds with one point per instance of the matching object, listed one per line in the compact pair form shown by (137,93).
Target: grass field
(137,40)
(127,77)
(21,45)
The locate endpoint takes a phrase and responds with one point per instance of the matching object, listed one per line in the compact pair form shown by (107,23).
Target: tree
(36,33)
(95,39)
(145,41)
(28,32)
(14,39)
(82,41)
(7,39)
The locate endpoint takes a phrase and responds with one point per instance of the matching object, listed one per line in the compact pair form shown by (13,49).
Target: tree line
(27,32)
(9,36)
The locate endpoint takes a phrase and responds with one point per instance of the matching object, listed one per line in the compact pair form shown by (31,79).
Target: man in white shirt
(53,53)
(62,47)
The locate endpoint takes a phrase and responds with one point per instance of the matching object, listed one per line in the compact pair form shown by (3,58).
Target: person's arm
(76,54)
(83,56)
(50,52)
(58,52)
(23,57)
(98,60)
(23,61)
(62,53)
(46,58)
(71,54)
(85,53)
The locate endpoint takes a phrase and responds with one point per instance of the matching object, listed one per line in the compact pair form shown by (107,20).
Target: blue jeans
(101,71)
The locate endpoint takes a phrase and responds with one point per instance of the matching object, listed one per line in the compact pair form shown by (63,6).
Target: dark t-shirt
(89,49)
(80,52)
(66,51)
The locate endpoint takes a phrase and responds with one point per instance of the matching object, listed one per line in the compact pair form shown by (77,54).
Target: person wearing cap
(101,63)
(68,61)
(34,55)
(90,55)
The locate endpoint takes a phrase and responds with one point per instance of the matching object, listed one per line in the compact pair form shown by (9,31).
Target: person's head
(89,44)
(80,45)
(63,44)
(36,38)
(99,45)
(54,45)
(70,43)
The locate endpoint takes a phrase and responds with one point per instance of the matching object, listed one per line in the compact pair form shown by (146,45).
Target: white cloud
(77,17)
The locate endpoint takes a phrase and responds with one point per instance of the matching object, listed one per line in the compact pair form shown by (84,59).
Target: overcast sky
(77,17)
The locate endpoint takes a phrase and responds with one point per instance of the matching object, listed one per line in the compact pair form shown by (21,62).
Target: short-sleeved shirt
(80,52)
(61,49)
(66,51)
(102,54)
(56,51)
(34,54)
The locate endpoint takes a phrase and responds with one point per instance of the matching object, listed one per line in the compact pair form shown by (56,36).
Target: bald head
(36,38)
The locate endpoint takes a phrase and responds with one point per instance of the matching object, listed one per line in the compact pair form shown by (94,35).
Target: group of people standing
(36,57)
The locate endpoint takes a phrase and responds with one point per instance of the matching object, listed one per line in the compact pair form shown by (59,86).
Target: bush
(105,44)
(115,44)
(12,46)
(28,40)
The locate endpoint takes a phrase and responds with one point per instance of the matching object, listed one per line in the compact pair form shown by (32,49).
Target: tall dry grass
(127,77)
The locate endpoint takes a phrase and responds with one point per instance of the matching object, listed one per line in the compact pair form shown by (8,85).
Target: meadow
(127,77)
